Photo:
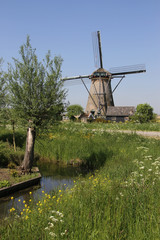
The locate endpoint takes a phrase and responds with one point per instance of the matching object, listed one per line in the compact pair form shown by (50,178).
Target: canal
(53,177)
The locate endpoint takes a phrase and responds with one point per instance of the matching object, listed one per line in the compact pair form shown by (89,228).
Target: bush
(143,114)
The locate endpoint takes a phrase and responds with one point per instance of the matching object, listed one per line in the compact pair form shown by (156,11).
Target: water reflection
(53,177)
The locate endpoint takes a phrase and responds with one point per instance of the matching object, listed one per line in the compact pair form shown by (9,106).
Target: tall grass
(118,201)
(71,142)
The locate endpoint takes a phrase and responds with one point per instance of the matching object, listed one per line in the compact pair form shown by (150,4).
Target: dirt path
(142,133)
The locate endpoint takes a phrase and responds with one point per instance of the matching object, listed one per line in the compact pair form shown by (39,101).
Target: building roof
(120,111)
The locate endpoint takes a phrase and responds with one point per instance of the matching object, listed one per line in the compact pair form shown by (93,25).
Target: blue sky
(130,34)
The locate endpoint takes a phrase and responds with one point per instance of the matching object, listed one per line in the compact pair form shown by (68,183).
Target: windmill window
(100,74)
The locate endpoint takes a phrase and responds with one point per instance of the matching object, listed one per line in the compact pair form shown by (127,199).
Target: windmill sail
(139,68)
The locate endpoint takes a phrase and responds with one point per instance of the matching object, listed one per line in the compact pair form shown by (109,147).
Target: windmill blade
(78,82)
(95,50)
(139,68)
(76,77)
(96,41)
(100,51)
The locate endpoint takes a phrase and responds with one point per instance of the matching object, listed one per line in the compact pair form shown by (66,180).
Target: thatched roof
(120,111)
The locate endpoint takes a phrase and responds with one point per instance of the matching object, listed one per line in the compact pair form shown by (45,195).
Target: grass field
(118,199)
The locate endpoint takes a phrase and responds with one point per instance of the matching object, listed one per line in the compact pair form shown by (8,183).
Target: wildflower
(30,193)
(121,194)
(46,228)
(25,205)
(24,201)
(51,225)
(54,219)
(19,200)
(12,198)
(30,200)
(21,213)
(52,234)
(60,191)
(141,167)
(26,217)
(150,170)
(42,191)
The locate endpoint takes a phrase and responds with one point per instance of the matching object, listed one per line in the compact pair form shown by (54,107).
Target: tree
(74,110)
(144,113)
(2,87)
(36,93)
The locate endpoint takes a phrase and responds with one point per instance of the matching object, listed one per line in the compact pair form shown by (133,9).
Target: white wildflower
(51,225)
(150,170)
(141,167)
(54,219)
(52,234)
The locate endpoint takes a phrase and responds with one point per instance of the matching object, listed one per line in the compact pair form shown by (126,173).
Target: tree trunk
(29,153)
(13,130)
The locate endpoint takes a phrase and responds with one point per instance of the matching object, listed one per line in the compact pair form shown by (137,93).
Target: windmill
(100,95)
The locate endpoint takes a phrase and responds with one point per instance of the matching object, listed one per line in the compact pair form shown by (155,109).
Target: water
(53,177)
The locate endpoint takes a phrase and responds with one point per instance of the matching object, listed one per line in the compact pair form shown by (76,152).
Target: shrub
(143,114)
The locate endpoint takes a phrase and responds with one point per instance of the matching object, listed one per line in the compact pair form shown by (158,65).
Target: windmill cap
(101,72)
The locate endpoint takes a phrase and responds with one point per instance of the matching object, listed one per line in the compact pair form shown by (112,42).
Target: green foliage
(120,201)
(144,113)
(3,92)
(4,183)
(35,87)
(8,155)
(74,110)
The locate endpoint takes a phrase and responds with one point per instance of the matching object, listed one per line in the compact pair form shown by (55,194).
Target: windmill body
(100,95)
(100,92)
